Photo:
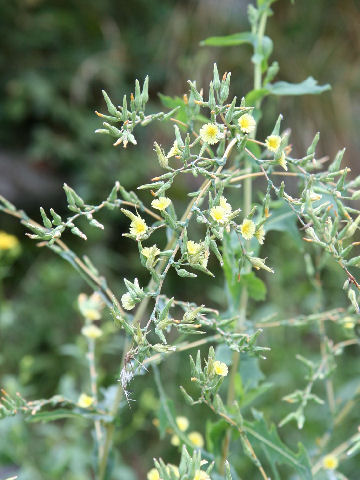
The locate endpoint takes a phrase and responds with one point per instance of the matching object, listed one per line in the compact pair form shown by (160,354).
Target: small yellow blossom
(273,142)
(209,133)
(175,440)
(247,229)
(161,203)
(348,322)
(330,462)
(282,161)
(127,302)
(174,150)
(7,241)
(220,368)
(201,475)
(85,401)
(153,474)
(90,307)
(219,214)
(247,123)
(150,251)
(91,331)
(192,247)
(260,235)
(225,205)
(196,439)
(182,423)
(138,227)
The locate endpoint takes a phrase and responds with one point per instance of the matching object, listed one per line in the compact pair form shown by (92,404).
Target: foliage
(215,140)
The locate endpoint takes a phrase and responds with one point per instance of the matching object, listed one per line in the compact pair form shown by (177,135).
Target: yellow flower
(138,227)
(201,475)
(127,302)
(225,205)
(150,251)
(219,214)
(175,441)
(196,439)
(174,150)
(260,235)
(161,203)
(220,368)
(282,161)
(247,123)
(85,401)
(182,423)
(209,133)
(153,474)
(330,462)
(192,247)
(273,142)
(247,229)
(90,307)
(91,331)
(8,242)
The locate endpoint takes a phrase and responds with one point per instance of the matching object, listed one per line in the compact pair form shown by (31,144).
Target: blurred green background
(55,57)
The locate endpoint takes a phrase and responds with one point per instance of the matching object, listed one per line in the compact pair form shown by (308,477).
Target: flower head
(127,302)
(182,423)
(138,227)
(161,203)
(225,205)
(90,307)
(174,150)
(85,401)
(196,439)
(247,123)
(260,235)
(153,474)
(193,248)
(201,475)
(330,462)
(175,440)
(210,133)
(220,368)
(219,214)
(150,251)
(247,229)
(282,161)
(7,241)
(273,142)
(91,331)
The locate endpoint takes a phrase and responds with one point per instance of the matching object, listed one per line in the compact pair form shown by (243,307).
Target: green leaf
(256,287)
(163,413)
(267,438)
(229,40)
(254,95)
(307,87)
(173,102)
(283,219)
(215,434)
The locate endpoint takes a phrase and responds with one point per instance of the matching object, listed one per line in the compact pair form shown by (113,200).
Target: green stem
(247,201)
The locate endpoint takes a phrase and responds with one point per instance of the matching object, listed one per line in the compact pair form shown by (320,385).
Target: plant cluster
(216,142)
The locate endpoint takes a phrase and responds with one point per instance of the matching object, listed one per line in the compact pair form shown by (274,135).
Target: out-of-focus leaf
(307,87)
(256,287)
(215,434)
(283,219)
(229,40)
(267,438)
